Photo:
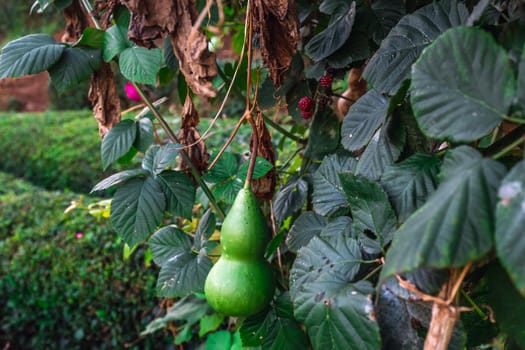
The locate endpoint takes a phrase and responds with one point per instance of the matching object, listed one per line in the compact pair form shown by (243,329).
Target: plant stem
(184,155)
(500,147)
(283,131)
(473,304)
(373,272)
(509,148)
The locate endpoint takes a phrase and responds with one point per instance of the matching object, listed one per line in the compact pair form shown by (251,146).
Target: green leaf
(274,329)
(167,243)
(182,274)
(410,182)
(334,36)
(510,221)
(383,150)
(189,309)
(328,197)
(74,66)
(179,191)
(159,158)
(262,167)
(145,135)
(290,198)
(337,314)
(221,340)
(117,142)
(324,135)
(140,65)
(371,210)
(118,178)
(337,255)
(115,39)
(227,190)
(462,85)
(391,64)
(209,323)
(184,335)
(508,304)
(137,209)
(307,226)
(91,37)
(205,229)
(169,55)
(30,54)
(355,48)
(388,13)
(363,119)
(456,223)
(520,93)
(224,169)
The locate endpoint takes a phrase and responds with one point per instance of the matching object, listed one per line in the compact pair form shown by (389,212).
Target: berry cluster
(306,105)
(326,81)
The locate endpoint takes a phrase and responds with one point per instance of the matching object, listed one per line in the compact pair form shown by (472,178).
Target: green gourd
(241,282)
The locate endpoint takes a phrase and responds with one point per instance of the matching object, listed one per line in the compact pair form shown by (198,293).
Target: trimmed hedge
(63,282)
(55,150)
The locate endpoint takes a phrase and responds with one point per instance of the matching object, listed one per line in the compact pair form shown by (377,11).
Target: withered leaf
(103,12)
(278,26)
(197,63)
(150,20)
(76,22)
(189,134)
(264,187)
(104,98)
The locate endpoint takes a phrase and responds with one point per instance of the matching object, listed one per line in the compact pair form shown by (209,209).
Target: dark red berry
(306,104)
(322,102)
(307,114)
(326,81)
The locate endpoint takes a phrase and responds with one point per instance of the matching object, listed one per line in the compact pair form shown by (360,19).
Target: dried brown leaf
(103,12)
(150,20)
(189,134)
(264,187)
(277,24)
(76,22)
(104,98)
(196,62)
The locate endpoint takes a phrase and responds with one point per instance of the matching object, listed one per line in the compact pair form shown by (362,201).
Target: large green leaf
(329,197)
(290,198)
(337,313)
(507,303)
(167,243)
(409,183)
(363,119)
(334,36)
(262,167)
(145,135)
(180,193)
(462,85)
(371,210)
(30,54)
(388,13)
(118,178)
(324,135)
(383,150)
(140,65)
(224,169)
(115,38)
(391,64)
(510,222)
(74,66)
(91,37)
(307,226)
(521,80)
(117,142)
(274,329)
(159,158)
(205,229)
(183,274)
(335,255)
(456,224)
(137,208)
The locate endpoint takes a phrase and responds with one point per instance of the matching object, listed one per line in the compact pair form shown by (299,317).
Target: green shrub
(63,283)
(53,150)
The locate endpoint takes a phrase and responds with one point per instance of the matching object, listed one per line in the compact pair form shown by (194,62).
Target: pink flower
(131,92)
(79,235)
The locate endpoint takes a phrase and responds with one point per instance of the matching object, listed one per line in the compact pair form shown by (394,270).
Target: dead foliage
(264,187)
(277,24)
(104,98)
(76,22)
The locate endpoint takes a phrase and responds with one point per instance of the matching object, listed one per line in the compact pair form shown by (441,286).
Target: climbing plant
(386,155)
